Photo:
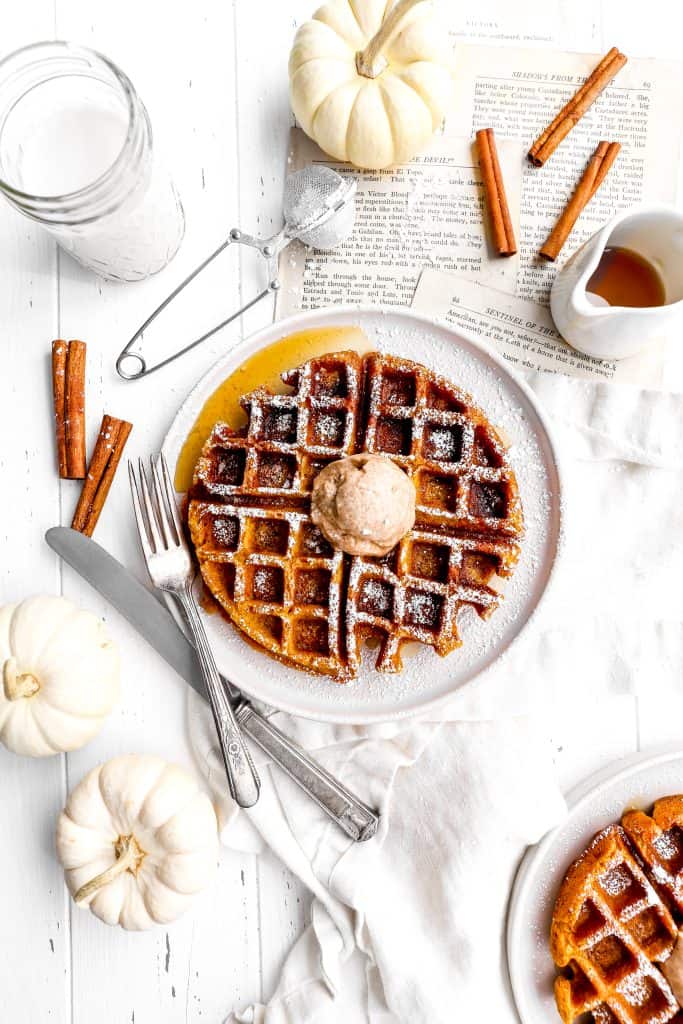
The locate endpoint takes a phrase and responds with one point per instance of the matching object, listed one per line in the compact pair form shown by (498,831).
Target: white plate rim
(334,315)
(523,885)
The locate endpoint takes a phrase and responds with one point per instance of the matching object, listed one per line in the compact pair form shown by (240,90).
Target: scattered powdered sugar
(421,607)
(328,428)
(261,578)
(617,880)
(283,423)
(377,596)
(226,532)
(443,443)
(635,989)
(666,846)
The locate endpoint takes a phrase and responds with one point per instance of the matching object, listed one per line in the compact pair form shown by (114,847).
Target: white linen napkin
(409,926)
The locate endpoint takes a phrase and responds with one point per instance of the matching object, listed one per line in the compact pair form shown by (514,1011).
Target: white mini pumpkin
(370,81)
(137,839)
(59,676)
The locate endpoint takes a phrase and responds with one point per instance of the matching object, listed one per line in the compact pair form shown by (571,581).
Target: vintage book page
(517,92)
(522,331)
(429,212)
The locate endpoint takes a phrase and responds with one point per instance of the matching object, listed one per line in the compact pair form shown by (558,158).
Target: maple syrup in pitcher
(625,278)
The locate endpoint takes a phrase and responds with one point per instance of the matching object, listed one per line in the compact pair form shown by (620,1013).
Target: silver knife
(156,624)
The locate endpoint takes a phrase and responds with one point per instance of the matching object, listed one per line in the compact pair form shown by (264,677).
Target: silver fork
(170,568)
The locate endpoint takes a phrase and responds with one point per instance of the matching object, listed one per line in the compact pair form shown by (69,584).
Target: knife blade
(153,621)
(131,599)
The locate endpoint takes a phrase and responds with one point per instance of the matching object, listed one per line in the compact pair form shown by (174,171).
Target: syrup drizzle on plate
(263,369)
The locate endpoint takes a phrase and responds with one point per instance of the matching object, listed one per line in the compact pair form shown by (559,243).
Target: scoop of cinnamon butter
(363,504)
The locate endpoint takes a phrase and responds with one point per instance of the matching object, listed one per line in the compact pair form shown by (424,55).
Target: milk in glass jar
(76,155)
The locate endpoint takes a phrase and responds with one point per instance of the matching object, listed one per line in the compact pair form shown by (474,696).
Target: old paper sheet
(517,92)
(522,331)
(429,212)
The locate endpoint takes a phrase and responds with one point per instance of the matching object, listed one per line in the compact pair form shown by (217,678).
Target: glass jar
(76,156)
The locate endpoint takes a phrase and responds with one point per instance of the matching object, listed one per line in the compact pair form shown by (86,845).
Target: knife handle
(351,814)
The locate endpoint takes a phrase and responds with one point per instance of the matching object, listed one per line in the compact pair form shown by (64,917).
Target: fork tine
(148,504)
(139,515)
(161,503)
(170,495)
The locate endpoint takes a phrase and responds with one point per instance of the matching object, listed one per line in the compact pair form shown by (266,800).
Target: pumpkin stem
(18,684)
(129,857)
(370,62)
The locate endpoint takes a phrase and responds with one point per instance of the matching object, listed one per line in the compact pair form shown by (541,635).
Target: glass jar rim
(80,195)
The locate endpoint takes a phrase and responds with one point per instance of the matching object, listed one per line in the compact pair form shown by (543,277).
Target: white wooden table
(213,75)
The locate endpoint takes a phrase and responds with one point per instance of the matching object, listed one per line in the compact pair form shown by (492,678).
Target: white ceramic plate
(427,680)
(634,782)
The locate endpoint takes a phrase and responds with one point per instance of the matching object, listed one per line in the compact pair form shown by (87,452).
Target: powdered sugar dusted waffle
(274,573)
(613,925)
(658,838)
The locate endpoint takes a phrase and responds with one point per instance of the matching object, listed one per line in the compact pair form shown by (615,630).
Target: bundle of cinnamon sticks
(545,145)
(68,387)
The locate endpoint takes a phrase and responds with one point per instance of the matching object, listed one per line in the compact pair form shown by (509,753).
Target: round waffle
(273,572)
(616,920)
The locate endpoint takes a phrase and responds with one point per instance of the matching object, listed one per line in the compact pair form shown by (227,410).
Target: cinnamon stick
(111,441)
(593,177)
(68,388)
(572,112)
(494,191)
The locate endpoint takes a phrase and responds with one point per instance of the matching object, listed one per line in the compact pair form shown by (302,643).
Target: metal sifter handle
(132,365)
(319,210)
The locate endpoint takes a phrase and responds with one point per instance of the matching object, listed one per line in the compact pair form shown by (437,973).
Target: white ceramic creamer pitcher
(614,332)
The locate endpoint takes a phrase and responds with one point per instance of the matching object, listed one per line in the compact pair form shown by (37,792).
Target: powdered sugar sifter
(319,210)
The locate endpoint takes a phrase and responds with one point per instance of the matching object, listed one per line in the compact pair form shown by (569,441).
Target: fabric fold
(424,901)
(614,421)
